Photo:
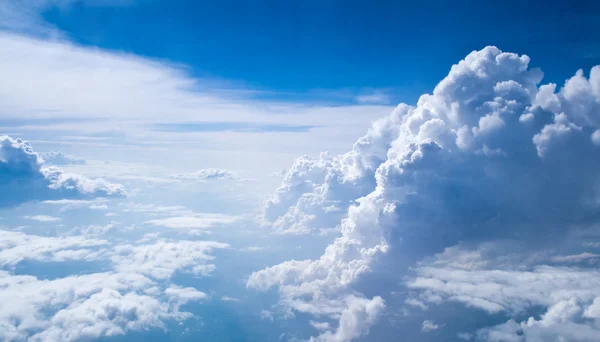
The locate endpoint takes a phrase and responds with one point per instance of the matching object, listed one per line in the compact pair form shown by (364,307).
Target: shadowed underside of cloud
(489,154)
(23,177)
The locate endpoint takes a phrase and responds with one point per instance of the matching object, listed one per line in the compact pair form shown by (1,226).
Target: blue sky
(320,171)
(299,47)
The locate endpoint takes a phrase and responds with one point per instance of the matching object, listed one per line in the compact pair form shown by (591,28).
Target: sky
(319,171)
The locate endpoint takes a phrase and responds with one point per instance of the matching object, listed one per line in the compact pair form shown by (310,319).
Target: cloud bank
(489,154)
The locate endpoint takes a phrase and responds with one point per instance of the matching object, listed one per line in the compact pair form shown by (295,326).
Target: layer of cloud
(488,154)
(506,285)
(17,246)
(84,307)
(43,218)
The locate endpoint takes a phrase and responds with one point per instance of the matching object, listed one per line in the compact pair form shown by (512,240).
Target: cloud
(199,221)
(229,299)
(138,91)
(459,165)
(206,174)
(43,218)
(253,249)
(378,97)
(83,307)
(568,296)
(23,177)
(161,259)
(17,246)
(59,158)
(430,326)
(354,320)
(182,295)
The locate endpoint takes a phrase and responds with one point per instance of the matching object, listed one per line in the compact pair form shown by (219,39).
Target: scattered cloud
(18,246)
(43,218)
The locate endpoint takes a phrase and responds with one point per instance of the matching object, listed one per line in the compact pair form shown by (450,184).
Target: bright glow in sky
(322,171)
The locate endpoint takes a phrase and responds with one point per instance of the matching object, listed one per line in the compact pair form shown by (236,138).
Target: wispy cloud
(43,218)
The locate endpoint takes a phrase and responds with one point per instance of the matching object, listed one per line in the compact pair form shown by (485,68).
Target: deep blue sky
(295,46)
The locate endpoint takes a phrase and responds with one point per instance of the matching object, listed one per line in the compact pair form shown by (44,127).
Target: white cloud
(25,178)
(199,221)
(17,246)
(589,257)
(182,295)
(43,218)
(253,249)
(163,258)
(430,326)
(458,165)
(59,158)
(138,91)
(568,295)
(69,204)
(207,174)
(354,320)
(82,307)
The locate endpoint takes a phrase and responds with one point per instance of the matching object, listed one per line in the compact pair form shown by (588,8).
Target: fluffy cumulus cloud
(135,294)
(85,307)
(24,177)
(490,153)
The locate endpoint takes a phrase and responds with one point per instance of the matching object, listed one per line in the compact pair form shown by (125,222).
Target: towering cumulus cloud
(23,177)
(490,154)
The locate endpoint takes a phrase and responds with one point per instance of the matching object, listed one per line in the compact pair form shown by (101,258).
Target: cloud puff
(430,326)
(487,154)
(59,158)
(84,307)
(23,177)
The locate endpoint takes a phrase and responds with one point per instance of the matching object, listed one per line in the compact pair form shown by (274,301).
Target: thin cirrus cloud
(138,91)
(462,164)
